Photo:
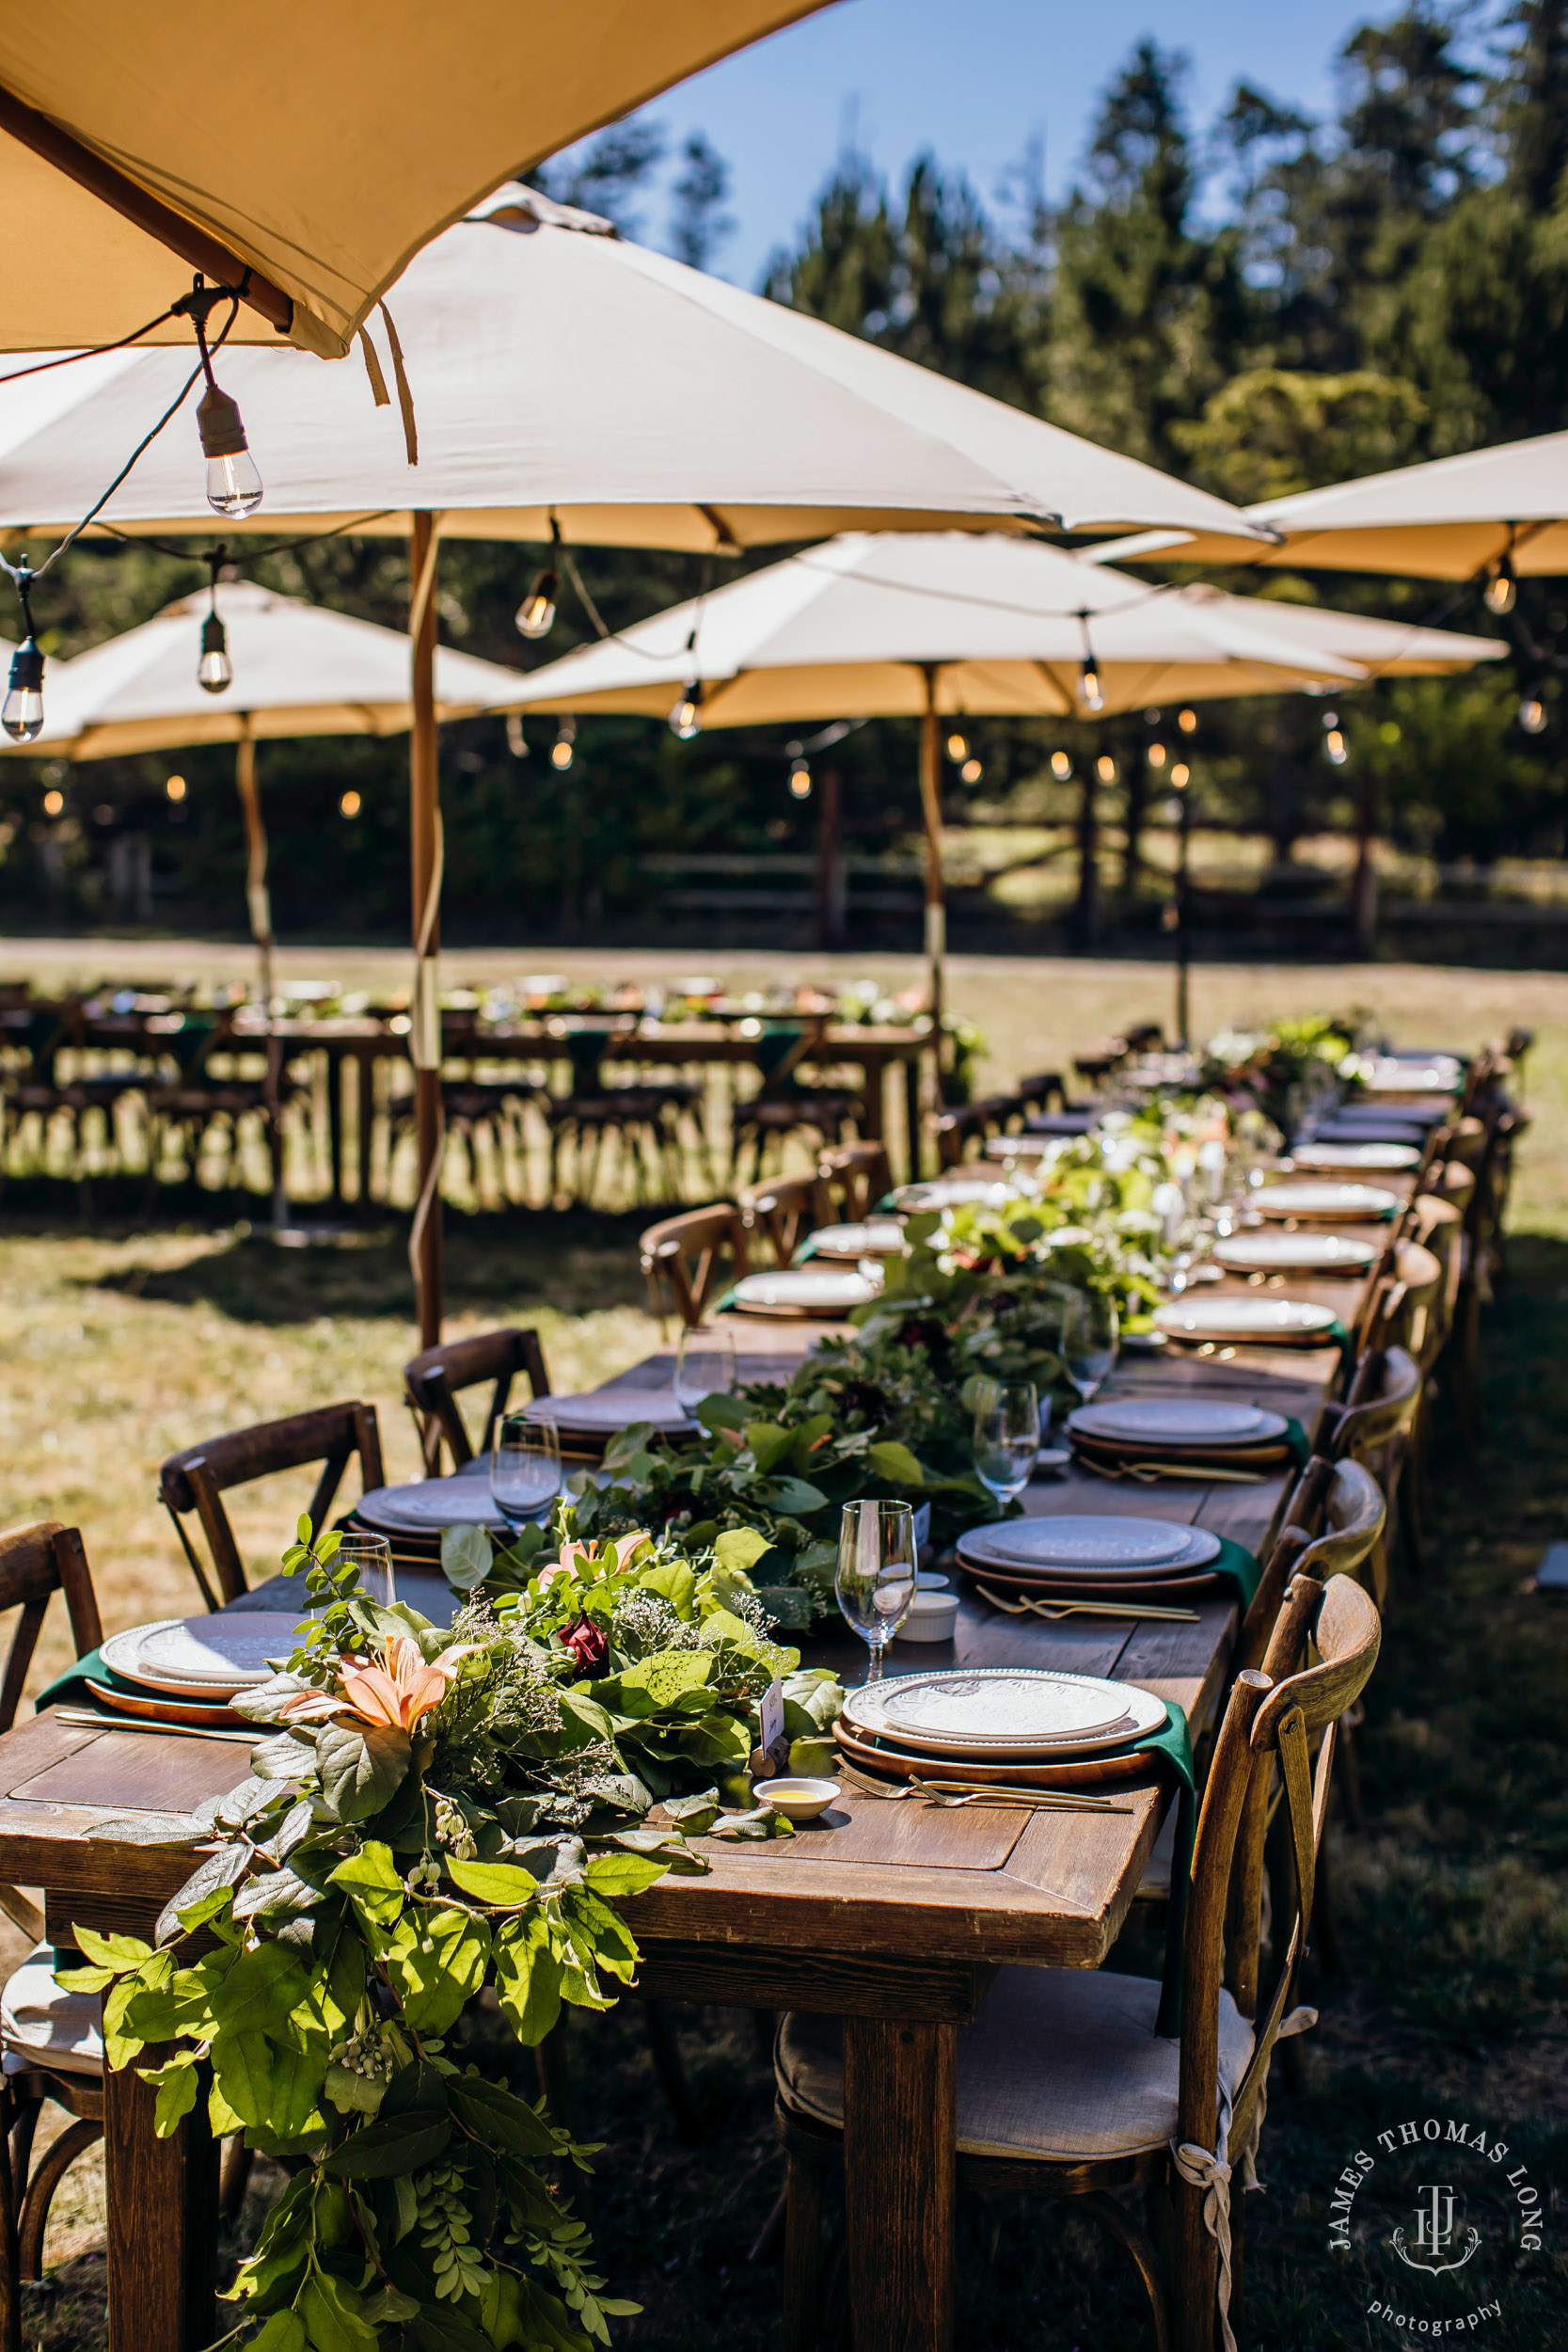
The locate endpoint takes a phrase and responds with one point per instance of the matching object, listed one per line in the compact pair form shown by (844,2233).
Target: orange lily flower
(393,1692)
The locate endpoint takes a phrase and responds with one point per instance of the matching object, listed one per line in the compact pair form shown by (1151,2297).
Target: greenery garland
(432,1817)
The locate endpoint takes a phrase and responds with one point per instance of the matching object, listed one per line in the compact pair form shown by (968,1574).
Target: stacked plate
(1372,1159)
(186,1670)
(1101,1557)
(877,1237)
(426,1506)
(1194,1433)
(953,1192)
(1293,1253)
(1326,1204)
(602,1413)
(1004,1722)
(1233,1320)
(805,1292)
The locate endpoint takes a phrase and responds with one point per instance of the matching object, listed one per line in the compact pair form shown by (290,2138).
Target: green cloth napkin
(70,1688)
(1237,1562)
(1173,1750)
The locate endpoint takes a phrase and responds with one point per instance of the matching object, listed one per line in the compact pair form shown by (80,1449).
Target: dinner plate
(877,1237)
(810,1290)
(217,1654)
(605,1411)
(1394,1077)
(1134,1586)
(1245,1319)
(1382,1114)
(1294,1253)
(1175,1421)
(1002,1712)
(1080,1544)
(952,1193)
(426,1506)
(1385,1159)
(1348,1204)
(881,1759)
(151,1707)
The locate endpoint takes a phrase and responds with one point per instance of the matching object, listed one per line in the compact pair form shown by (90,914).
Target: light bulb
(175,787)
(686,717)
(799,779)
(349,805)
(1156,754)
(535,615)
(561,750)
(1061,766)
(54,803)
(1094,697)
(517,742)
(21,714)
(1532,712)
(234,485)
(971,772)
(1181,776)
(957,748)
(1105,767)
(213,672)
(1187,722)
(1501,592)
(1333,743)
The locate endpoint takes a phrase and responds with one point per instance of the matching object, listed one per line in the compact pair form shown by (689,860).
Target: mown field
(118,1346)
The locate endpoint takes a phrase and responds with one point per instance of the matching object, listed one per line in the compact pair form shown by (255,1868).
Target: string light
(799,779)
(686,716)
(1334,742)
(971,772)
(1090,686)
(1187,722)
(1061,766)
(1181,776)
(215,671)
(21,712)
(535,615)
(1156,754)
(958,747)
(350,805)
(53,802)
(175,787)
(517,742)
(1532,712)
(1105,767)
(562,749)
(1501,592)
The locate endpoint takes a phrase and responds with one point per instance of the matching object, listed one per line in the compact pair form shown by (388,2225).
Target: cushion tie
(1202,2169)
(1299,2021)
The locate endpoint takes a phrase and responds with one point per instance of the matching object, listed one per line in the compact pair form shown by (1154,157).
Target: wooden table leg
(163,2219)
(335,1123)
(365,1071)
(911,1113)
(900,2127)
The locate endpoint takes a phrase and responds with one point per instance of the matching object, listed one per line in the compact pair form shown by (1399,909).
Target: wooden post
(931,804)
(258,903)
(424,1240)
(1364,901)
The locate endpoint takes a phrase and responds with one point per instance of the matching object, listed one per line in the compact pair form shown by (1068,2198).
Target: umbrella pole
(424,1240)
(930,802)
(1184,923)
(259,901)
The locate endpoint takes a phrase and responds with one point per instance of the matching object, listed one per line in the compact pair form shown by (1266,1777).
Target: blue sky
(974,81)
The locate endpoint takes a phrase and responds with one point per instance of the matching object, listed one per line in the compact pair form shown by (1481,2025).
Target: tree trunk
(1085,914)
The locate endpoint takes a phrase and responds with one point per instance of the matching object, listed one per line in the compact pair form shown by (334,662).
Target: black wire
(94,351)
(252,554)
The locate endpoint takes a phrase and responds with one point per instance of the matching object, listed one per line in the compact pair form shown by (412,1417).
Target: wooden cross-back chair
(1332,1521)
(197,1479)
(780,1213)
(854,1176)
(1371,1425)
(685,1257)
(434,1378)
(1064,2088)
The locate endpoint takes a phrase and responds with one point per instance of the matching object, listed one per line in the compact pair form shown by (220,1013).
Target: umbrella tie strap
(400,375)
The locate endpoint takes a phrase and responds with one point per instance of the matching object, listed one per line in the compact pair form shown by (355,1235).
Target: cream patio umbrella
(300,152)
(1491,514)
(947,626)
(562,375)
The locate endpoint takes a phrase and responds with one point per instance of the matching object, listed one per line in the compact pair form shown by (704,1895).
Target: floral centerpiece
(1286,1070)
(429,1815)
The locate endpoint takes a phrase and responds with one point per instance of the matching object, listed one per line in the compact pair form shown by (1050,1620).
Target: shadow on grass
(577,1260)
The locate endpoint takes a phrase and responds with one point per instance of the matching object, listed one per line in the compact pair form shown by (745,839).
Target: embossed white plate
(1338,1203)
(1090,1546)
(1294,1253)
(1244,1319)
(1004,1711)
(1177,1420)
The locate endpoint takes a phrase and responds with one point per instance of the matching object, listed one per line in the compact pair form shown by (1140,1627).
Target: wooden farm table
(893,1917)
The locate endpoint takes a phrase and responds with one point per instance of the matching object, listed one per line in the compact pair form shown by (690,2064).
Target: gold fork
(1086,1608)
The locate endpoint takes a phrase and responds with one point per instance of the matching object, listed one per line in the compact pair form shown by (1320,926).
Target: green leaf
(176,2089)
(370,1881)
(768,1443)
(795,1496)
(896,1463)
(205,1893)
(361,1771)
(466,1557)
(673,1582)
(436,1962)
(659,1681)
(623,1873)
(283,2332)
(611,1945)
(153,1829)
(813,1759)
(258,1990)
(737,1550)
(264,1701)
(720,1412)
(499,2118)
(393,2144)
(116,1953)
(499,1885)
(289,1756)
(392,2304)
(332,2314)
(527,1977)
(788,1605)
(274,1893)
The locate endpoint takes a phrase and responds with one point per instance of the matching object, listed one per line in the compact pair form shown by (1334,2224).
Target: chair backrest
(1468,1145)
(434,1378)
(1438,1224)
(782,1212)
(36,1560)
(1332,1523)
(973,1122)
(685,1254)
(1273,1716)
(857,1176)
(1419,1277)
(198,1478)
(1380,1405)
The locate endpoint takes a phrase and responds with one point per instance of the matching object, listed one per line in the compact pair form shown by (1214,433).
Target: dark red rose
(589,1646)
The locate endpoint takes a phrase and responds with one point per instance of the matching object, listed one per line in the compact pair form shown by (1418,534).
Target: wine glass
(371,1555)
(1089,1334)
(704,1366)
(1006,1434)
(877,1560)
(525,1467)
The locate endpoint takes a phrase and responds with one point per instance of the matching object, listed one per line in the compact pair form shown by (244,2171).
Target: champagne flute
(525,1467)
(1006,1434)
(371,1555)
(876,1560)
(704,1366)
(1089,1334)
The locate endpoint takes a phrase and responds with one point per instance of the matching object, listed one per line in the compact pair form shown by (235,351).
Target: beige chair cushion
(45,2025)
(1061,2063)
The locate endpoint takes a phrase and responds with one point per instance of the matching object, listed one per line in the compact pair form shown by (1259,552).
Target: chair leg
(10,2268)
(802,2261)
(1140,2246)
(234,2177)
(665,2050)
(34,2214)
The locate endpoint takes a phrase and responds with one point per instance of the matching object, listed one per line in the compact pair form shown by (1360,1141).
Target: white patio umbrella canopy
(558,369)
(1447,520)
